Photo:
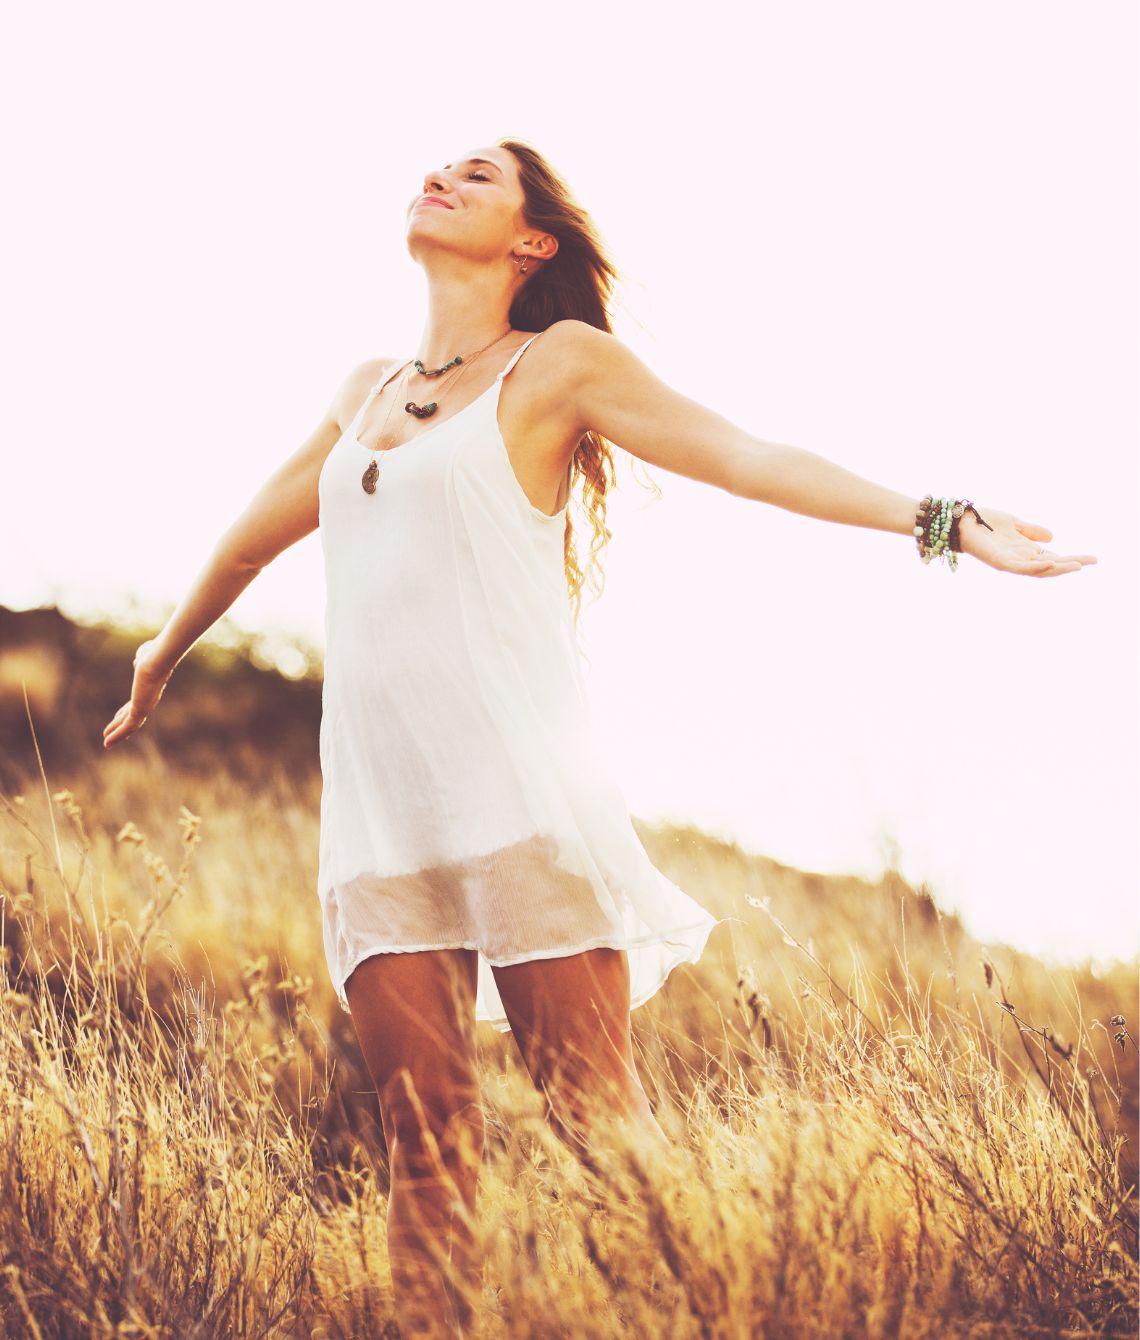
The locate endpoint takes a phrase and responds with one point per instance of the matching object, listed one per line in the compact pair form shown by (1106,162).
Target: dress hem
(694,952)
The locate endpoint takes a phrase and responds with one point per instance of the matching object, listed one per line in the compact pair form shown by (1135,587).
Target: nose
(435,183)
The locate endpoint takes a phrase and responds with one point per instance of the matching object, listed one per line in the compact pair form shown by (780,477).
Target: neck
(464,314)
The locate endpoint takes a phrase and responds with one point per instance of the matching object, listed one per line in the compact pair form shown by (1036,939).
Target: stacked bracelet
(936,527)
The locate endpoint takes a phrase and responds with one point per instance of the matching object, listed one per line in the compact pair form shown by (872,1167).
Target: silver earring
(522,267)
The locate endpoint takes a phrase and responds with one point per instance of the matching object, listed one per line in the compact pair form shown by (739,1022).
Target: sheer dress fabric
(465,802)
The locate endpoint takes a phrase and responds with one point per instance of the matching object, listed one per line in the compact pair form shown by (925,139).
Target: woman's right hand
(151,678)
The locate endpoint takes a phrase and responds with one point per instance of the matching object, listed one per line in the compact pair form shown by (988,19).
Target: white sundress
(464,801)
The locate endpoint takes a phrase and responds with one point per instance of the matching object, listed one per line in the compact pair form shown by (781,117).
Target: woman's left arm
(611,391)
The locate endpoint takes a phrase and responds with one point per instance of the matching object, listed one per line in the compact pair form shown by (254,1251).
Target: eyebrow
(487,161)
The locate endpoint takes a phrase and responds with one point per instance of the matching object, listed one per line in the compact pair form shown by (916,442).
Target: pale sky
(901,235)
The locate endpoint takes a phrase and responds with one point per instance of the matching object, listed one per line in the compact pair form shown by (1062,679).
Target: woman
(465,814)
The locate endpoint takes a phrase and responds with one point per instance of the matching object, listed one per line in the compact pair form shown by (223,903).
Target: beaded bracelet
(936,527)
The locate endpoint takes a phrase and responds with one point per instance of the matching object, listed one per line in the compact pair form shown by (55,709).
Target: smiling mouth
(439,204)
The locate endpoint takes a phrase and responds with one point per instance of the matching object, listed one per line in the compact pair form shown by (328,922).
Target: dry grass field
(879,1126)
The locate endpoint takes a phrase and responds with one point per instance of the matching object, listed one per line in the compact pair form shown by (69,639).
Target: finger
(1047,555)
(110,726)
(1068,559)
(1040,565)
(1034,530)
(113,733)
(1054,569)
(127,726)
(122,732)
(117,718)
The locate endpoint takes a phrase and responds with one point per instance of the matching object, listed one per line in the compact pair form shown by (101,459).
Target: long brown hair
(576,283)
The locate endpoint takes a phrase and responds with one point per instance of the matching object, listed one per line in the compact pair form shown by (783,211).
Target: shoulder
(585,362)
(572,350)
(575,340)
(350,394)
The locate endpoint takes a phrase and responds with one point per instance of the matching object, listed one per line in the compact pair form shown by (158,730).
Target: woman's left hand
(151,676)
(1014,545)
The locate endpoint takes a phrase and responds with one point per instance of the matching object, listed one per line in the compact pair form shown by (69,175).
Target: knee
(580,1110)
(583,1086)
(425,1119)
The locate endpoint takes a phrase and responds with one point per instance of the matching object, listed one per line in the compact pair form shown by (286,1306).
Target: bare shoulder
(563,361)
(584,366)
(356,385)
(569,347)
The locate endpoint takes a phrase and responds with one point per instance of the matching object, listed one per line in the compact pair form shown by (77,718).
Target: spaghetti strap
(377,387)
(387,375)
(517,355)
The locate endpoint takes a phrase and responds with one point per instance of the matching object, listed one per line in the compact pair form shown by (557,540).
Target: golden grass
(876,1130)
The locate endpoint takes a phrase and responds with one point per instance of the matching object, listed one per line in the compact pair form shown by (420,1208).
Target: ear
(543,247)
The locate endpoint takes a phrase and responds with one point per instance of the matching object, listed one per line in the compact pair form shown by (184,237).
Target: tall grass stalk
(876,1129)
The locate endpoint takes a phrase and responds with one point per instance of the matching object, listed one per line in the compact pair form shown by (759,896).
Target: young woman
(465,815)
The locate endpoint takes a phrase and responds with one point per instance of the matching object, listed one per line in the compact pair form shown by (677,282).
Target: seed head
(129,833)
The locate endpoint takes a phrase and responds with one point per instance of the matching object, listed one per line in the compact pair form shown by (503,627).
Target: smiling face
(477,210)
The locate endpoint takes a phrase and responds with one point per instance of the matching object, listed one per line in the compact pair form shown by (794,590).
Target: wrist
(970,522)
(967,524)
(162,657)
(938,528)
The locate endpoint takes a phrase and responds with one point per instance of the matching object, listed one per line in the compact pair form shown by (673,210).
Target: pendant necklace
(369,477)
(372,473)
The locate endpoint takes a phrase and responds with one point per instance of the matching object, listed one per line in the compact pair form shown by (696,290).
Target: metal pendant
(370,476)
(421,411)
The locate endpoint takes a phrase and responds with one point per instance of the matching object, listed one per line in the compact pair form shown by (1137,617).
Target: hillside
(225,701)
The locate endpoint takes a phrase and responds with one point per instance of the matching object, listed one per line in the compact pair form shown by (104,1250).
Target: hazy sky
(901,235)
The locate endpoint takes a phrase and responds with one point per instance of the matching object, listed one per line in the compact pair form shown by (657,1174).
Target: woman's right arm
(283,511)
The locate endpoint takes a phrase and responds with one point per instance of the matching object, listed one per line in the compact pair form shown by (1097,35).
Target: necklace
(426,411)
(434,372)
(372,472)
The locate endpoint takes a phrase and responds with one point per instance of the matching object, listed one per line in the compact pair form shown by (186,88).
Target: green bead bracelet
(936,528)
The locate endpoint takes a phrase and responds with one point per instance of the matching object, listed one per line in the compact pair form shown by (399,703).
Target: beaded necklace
(426,411)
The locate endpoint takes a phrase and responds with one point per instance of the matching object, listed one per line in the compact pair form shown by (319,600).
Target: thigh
(570,1017)
(414,1016)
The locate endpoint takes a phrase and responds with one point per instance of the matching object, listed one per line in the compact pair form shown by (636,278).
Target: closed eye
(478,176)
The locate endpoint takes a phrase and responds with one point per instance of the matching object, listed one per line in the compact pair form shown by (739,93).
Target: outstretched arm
(283,511)
(612,392)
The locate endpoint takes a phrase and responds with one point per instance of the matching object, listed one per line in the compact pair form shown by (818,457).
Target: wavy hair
(576,283)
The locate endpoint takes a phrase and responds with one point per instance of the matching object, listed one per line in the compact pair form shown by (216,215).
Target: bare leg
(570,1017)
(414,1014)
